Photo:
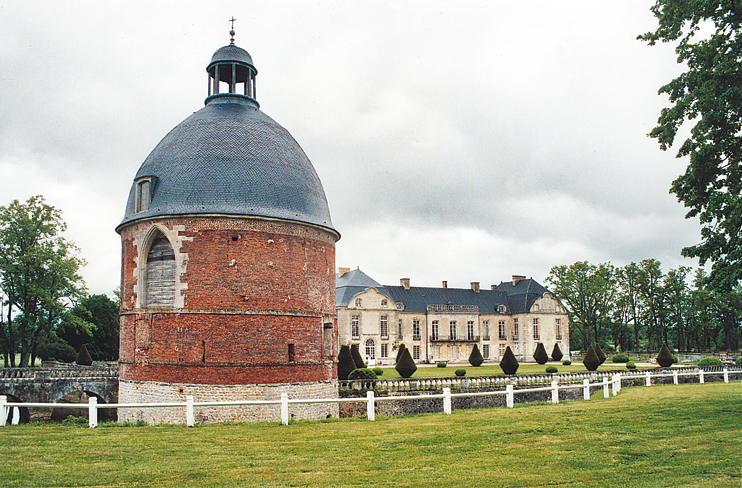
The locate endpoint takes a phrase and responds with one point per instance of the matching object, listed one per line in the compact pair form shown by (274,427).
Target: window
(435,351)
(385,350)
(416,330)
(515,328)
(160,273)
(370,349)
(383,327)
(486,330)
(434,331)
(536,335)
(503,348)
(452,330)
(502,309)
(503,333)
(416,352)
(558,327)
(399,328)
(327,339)
(143,195)
(292,352)
(383,303)
(486,351)
(354,327)
(359,302)
(470,330)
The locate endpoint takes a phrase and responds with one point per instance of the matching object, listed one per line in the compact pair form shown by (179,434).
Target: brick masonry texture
(254,304)
(152,392)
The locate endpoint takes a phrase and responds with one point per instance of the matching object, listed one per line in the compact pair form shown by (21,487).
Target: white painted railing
(608,385)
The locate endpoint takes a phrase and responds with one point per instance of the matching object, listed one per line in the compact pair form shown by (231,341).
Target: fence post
(586,389)
(285,408)
(675,377)
(615,384)
(554,391)
(726,375)
(3,410)
(92,412)
(447,400)
(509,396)
(189,411)
(605,387)
(370,410)
(647,379)
(700,376)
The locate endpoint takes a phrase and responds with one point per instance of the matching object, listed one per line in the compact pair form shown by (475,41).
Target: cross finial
(231,32)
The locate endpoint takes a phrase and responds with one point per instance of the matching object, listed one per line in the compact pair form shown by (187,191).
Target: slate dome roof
(231,158)
(231,53)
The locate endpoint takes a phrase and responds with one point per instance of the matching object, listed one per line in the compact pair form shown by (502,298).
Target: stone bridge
(68,384)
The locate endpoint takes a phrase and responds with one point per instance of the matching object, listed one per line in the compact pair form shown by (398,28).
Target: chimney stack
(475,286)
(493,287)
(404,283)
(342,271)
(445,284)
(517,279)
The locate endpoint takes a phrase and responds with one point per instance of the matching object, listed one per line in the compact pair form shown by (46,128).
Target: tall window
(558,327)
(536,335)
(399,328)
(486,329)
(416,330)
(359,302)
(434,331)
(503,332)
(470,330)
(416,352)
(160,280)
(384,327)
(385,350)
(452,330)
(486,351)
(503,348)
(143,195)
(435,351)
(370,349)
(383,303)
(355,331)
(515,328)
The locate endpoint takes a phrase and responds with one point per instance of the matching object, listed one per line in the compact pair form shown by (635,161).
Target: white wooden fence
(608,385)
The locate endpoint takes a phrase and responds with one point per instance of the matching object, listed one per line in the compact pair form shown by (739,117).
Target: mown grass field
(663,436)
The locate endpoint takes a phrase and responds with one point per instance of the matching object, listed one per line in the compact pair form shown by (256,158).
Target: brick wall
(255,303)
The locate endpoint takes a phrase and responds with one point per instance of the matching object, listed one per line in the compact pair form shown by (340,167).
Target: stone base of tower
(153,392)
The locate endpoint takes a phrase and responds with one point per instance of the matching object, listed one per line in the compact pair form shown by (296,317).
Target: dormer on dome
(231,73)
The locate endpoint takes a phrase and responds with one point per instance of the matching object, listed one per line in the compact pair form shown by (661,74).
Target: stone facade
(155,392)
(444,324)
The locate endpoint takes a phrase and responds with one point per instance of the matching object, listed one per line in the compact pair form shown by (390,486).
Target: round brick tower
(227,264)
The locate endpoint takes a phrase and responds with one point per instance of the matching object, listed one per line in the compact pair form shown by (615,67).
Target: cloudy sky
(461,141)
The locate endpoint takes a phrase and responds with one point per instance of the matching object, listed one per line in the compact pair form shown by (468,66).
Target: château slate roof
(518,298)
(231,53)
(231,158)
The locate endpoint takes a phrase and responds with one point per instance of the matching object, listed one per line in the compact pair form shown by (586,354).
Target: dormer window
(502,309)
(359,302)
(144,189)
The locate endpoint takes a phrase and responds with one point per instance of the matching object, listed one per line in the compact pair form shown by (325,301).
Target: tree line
(47,311)
(638,307)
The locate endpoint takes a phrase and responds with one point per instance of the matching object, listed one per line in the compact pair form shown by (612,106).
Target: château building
(444,324)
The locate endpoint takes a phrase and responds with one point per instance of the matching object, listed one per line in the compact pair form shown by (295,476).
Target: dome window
(144,190)
(160,274)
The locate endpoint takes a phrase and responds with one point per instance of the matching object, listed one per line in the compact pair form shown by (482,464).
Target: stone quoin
(228,262)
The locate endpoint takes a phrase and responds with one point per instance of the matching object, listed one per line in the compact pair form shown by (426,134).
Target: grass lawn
(664,436)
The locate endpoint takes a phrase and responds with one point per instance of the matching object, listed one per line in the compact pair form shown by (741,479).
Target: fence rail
(613,384)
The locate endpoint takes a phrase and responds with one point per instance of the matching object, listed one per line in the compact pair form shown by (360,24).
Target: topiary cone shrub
(406,366)
(83,357)
(591,360)
(540,354)
(400,350)
(509,363)
(360,363)
(665,358)
(476,358)
(599,352)
(556,353)
(345,362)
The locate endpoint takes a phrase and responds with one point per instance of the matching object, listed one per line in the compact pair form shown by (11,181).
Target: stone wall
(152,392)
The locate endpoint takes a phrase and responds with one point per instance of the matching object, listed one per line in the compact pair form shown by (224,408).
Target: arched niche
(159,273)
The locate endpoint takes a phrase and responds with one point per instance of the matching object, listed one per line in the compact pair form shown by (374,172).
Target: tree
(556,353)
(509,363)
(709,43)
(588,290)
(664,357)
(39,270)
(360,363)
(591,360)
(540,354)
(406,365)
(476,358)
(676,289)
(93,321)
(83,357)
(345,362)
